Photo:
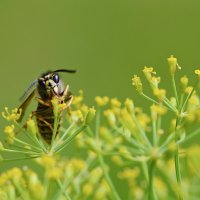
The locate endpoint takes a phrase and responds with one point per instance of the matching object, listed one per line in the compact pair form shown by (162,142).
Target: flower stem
(107,177)
(177,168)
(152,195)
(175,90)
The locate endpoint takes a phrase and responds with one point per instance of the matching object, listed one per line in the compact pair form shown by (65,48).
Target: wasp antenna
(28,90)
(66,70)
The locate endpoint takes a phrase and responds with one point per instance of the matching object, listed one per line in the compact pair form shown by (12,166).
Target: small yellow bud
(197,72)
(188,89)
(90,115)
(184,83)
(9,130)
(87,189)
(159,93)
(110,117)
(77,116)
(93,144)
(115,102)
(54,173)
(32,126)
(172,61)
(101,101)
(129,174)
(157,110)
(13,116)
(129,105)
(136,81)
(117,160)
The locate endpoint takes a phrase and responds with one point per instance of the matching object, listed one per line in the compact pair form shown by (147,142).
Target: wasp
(47,87)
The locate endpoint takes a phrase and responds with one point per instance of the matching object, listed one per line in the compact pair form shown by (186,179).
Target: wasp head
(49,85)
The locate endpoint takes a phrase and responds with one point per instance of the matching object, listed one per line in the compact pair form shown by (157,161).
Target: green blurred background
(107,41)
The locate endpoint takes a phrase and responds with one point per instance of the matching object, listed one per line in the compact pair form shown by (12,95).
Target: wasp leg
(42,102)
(44,121)
(65,93)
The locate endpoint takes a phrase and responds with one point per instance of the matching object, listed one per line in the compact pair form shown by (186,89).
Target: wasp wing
(25,104)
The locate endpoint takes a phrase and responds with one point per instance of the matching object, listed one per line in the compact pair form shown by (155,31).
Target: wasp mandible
(47,87)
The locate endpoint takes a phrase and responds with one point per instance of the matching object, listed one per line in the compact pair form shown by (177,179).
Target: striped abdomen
(45,121)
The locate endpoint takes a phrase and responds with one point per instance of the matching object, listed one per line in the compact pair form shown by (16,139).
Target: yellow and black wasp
(47,87)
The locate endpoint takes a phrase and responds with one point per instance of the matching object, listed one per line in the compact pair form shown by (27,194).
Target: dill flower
(129,173)
(95,175)
(173,64)
(110,117)
(115,102)
(32,126)
(102,191)
(129,105)
(9,130)
(87,189)
(157,110)
(117,160)
(136,81)
(159,93)
(197,72)
(150,76)
(77,116)
(184,83)
(101,101)
(13,116)
(90,115)
(161,188)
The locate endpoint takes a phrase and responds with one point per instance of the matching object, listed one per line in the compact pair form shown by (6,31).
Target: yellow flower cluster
(14,115)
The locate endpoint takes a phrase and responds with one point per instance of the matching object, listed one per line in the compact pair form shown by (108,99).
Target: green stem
(63,137)
(155,139)
(151,192)
(27,144)
(188,96)
(143,134)
(177,168)
(108,179)
(63,190)
(191,135)
(101,160)
(176,158)
(166,102)
(69,139)
(175,90)
(98,115)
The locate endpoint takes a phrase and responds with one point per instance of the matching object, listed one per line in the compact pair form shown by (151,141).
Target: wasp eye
(56,78)
(41,82)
